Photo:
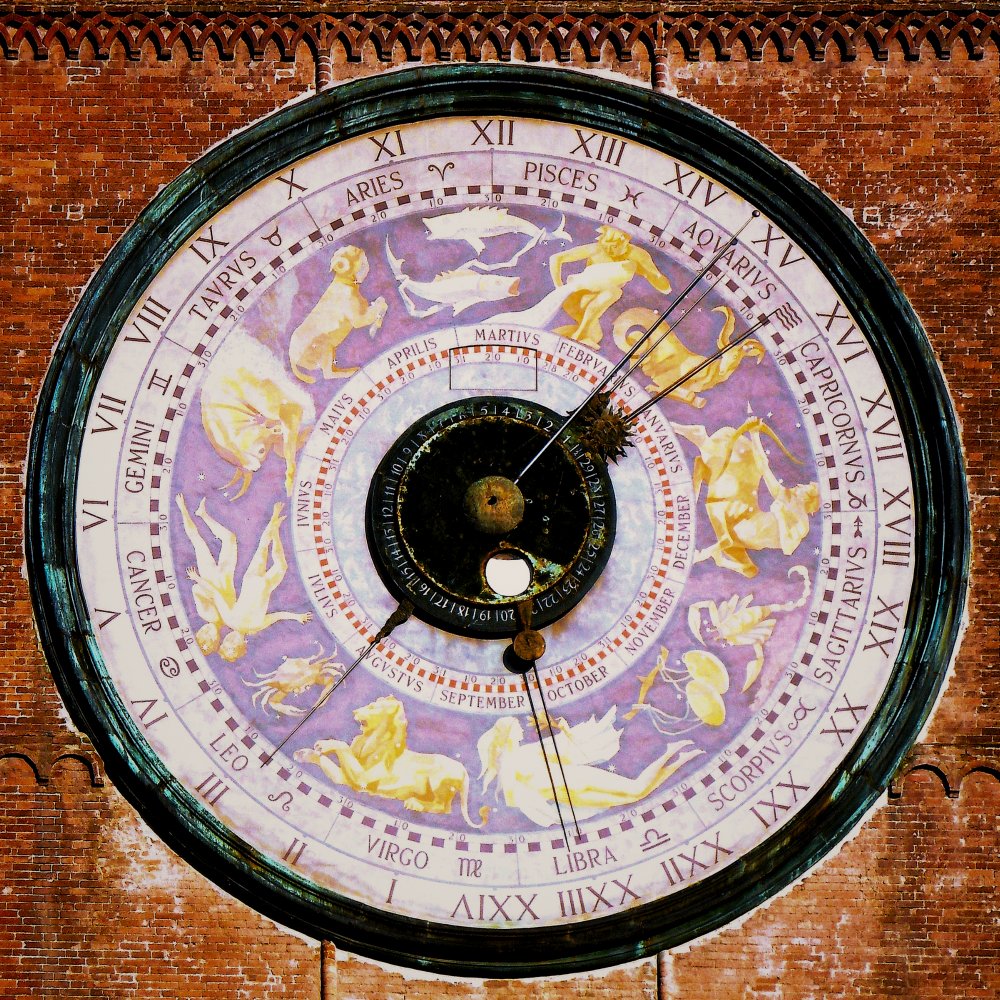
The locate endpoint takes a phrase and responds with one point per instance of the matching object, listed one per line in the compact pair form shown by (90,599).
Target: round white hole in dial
(508,575)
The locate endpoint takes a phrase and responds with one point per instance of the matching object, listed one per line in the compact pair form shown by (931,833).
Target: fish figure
(474,225)
(458,289)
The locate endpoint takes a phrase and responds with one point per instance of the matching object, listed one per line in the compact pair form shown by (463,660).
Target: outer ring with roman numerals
(940,548)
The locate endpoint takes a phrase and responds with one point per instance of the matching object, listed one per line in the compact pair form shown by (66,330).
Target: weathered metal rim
(925,412)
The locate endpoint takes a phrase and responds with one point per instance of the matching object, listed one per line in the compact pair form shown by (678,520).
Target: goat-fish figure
(670,359)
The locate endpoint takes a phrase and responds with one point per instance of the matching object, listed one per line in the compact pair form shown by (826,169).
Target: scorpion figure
(293,676)
(739,622)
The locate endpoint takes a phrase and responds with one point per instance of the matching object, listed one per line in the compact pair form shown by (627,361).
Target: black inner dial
(450,529)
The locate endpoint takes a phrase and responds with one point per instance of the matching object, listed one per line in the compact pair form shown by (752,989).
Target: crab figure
(739,622)
(293,676)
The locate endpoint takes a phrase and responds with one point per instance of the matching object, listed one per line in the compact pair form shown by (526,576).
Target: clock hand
(657,323)
(400,615)
(555,746)
(528,645)
(607,428)
(636,413)
(545,756)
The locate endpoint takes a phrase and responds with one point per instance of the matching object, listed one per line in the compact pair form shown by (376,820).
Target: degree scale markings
(339,226)
(575,143)
(216,789)
(771,716)
(856,484)
(673,196)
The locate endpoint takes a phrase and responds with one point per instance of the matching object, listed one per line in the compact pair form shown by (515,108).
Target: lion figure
(379,762)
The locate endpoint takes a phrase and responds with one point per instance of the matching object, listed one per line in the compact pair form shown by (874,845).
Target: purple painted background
(199,472)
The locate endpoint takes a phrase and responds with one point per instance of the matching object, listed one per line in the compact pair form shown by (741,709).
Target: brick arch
(939,772)
(25,759)
(89,761)
(993,770)
(952,764)
(43,760)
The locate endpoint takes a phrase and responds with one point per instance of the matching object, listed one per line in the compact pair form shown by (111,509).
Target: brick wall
(93,121)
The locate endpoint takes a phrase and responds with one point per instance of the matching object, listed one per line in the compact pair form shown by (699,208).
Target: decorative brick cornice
(394,36)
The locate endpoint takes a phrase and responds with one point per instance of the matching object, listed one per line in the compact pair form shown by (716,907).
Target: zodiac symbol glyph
(732,464)
(380,763)
(522,778)
(214,585)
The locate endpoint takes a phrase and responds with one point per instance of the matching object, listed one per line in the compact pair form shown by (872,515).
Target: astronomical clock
(503,521)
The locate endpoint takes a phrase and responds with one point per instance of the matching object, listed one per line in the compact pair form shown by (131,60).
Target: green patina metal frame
(380,103)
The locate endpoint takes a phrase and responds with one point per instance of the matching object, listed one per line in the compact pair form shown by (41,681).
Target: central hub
(494,504)
(449,529)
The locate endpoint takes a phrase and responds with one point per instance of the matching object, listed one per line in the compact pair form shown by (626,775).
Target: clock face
(383,643)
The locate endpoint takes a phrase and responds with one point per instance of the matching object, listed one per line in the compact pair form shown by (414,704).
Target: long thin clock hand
(400,615)
(555,746)
(657,323)
(638,411)
(545,756)
(527,647)
(530,645)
